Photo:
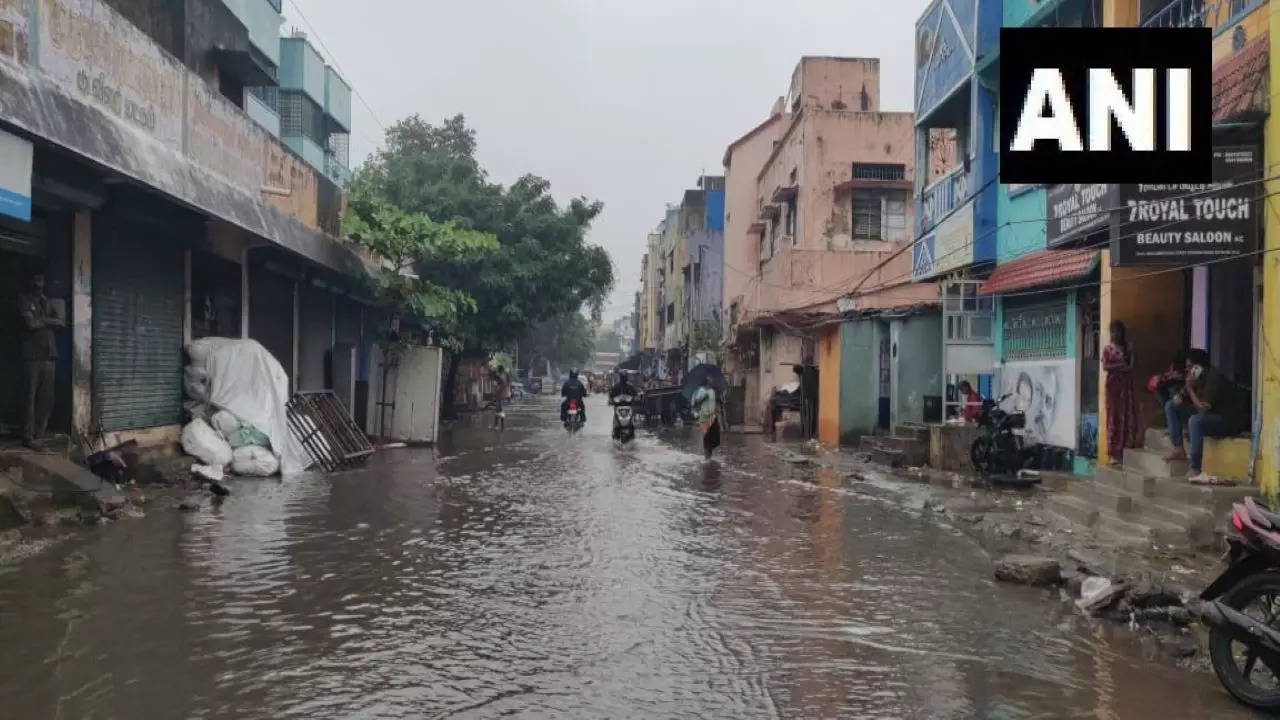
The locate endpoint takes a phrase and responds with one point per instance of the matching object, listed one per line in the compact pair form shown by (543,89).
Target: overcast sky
(622,101)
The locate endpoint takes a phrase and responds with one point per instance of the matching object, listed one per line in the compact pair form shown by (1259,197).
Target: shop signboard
(105,60)
(947,247)
(1077,210)
(15,176)
(1179,224)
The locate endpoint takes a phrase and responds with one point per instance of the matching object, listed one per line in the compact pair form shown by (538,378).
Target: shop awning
(1038,269)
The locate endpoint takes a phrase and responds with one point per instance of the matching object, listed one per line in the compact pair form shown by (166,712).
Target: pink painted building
(818,201)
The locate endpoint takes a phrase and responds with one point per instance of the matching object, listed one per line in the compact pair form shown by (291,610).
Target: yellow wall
(1269,365)
(1119,13)
(1155,329)
(829,384)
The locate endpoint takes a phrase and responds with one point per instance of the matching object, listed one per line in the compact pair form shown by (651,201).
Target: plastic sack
(195,381)
(198,351)
(201,441)
(225,423)
(248,435)
(196,410)
(248,382)
(254,461)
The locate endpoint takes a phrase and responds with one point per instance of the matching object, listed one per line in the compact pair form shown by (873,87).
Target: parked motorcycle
(1241,608)
(573,417)
(624,424)
(999,449)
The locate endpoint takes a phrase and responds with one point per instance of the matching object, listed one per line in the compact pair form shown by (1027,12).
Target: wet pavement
(530,573)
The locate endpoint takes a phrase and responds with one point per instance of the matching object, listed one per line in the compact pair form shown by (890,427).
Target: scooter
(999,449)
(573,417)
(1241,608)
(624,425)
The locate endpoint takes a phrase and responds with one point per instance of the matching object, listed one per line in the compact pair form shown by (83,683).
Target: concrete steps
(1132,506)
(906,450)
(1151,462)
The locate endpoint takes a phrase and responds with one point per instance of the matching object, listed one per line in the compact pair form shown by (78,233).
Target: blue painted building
(956,190)
(1045,335)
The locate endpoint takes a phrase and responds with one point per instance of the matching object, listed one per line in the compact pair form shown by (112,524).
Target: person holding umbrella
(706,407)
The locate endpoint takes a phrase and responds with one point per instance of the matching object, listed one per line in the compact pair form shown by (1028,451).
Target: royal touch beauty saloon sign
(1189,223)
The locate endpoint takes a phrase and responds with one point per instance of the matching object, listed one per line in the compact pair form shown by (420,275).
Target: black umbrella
(693,380)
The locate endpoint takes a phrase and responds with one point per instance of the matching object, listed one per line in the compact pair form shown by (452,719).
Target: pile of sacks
(216,437)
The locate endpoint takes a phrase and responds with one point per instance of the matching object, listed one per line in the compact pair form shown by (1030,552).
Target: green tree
(607,341)
(406,242)
(542,268)
(565,340)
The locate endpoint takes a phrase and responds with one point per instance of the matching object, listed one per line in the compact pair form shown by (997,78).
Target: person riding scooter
(625,391)
(622,387)
(573,389)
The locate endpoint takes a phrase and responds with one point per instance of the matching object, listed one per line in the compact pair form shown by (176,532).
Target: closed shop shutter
(316,338)
(137,326)
(1035,329)
(271,314)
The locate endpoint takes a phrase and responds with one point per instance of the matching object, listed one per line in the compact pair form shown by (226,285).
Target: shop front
(1183,272)
(1045,348)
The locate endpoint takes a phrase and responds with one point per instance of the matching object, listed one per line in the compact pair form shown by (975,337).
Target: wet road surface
(533,574)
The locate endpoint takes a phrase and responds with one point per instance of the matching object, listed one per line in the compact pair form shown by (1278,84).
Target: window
(267,95)
(895,218)
(791,219)
(879,171)
(300,115)
(880,215)
(671,313)
(866,217)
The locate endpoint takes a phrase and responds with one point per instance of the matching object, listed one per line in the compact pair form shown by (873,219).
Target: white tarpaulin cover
(245,380)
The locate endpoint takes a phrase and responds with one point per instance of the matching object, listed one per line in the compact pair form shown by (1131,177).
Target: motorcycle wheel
(1238,669)
(980,453)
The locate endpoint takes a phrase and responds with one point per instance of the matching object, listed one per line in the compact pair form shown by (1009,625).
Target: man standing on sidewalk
(39,351)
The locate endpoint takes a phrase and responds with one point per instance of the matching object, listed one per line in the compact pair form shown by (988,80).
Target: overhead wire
(1158,271)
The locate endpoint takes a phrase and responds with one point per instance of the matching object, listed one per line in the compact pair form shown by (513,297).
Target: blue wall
(715,210)
(1021,222)
(985,178)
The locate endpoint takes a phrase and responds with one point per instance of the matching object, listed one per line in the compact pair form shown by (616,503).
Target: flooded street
(533,574)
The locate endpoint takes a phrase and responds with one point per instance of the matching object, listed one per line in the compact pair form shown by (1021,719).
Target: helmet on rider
(573,374)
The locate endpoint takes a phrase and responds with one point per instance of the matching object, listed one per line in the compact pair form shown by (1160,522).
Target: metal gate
(137,326)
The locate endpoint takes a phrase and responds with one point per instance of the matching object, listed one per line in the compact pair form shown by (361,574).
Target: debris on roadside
(1028,570)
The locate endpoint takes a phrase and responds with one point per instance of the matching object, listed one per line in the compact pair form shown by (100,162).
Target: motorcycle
(624,425)
(999,449)
(1251,581)
(573,417)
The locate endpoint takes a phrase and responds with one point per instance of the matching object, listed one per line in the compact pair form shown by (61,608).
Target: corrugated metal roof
(1037,269)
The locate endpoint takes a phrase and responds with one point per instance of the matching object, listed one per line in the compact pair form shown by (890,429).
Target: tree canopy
(541,265)
(608,341)
(564,339)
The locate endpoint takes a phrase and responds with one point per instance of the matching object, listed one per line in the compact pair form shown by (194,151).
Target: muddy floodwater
(532,574)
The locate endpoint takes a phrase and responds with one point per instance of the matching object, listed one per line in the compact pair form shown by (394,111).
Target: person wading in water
(705,405)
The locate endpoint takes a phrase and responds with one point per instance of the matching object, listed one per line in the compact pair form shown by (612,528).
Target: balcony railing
(940,198)
(1183,14)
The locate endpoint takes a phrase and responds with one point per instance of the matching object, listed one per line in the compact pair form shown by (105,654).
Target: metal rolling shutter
(137,327)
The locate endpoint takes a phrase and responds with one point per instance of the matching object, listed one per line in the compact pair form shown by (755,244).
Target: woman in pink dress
(1122,414)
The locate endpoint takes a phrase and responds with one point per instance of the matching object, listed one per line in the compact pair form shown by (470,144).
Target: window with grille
(879,215)
(299,115)
(340,148)
(1035,330)
(879,171)
(267,95)
(866,217)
